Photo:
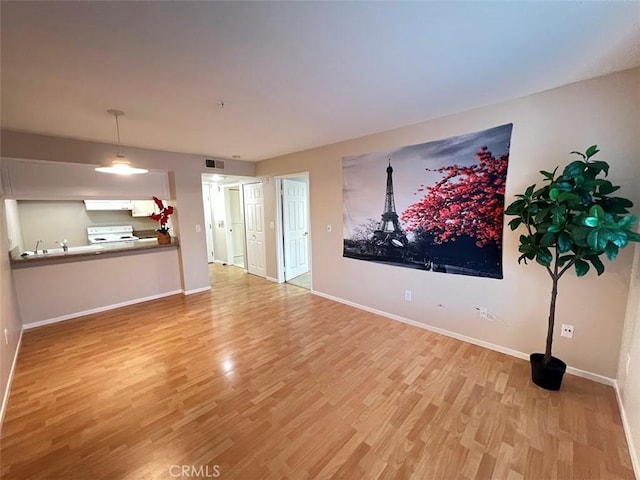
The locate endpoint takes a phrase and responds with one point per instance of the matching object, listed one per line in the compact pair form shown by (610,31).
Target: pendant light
(120,165)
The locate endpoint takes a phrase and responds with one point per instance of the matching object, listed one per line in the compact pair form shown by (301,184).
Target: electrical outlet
(329,228)
(483,312)
(567,331)
(407,295)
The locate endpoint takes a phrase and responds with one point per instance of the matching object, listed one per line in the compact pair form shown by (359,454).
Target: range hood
(107,204)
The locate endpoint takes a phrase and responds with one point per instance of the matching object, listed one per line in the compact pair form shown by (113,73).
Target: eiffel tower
(389,233)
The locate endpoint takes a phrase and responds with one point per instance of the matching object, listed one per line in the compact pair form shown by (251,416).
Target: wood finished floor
(267,381)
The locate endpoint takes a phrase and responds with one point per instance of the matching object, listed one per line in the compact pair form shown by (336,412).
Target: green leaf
(568,197)
(553,193)
(579,236)
(591,151)
(542,215)
(616,205)
(597,263)
(515,223)
(633,236)
(599,167)
(597,240)
(544,257)
(549,175)
(548,239)
(590,221)
(581,267)
(596,211)
(618,238)
(554,228)
(627,222)
(574,168)
(515,208)
(529,191)
(564,259)
(564,243)
(579,153)
(611,251)
(606,188)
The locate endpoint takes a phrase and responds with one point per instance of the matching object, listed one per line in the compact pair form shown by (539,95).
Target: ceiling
(292,75)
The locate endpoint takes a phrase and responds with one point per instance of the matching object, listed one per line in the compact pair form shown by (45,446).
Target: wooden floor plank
(268,381)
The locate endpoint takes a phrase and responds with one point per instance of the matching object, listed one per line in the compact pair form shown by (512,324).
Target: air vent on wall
(218,164)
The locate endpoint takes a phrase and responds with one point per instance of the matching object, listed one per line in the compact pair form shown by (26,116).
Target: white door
(254,227)
(295,226)
(236,224)
(208,221)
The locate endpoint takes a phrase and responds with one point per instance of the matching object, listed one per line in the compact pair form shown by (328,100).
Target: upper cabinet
(143,208)
(34,179)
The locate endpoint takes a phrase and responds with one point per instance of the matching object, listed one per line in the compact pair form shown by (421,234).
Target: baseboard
(271,279)
(62,318)
(635,461)
(197,290)
(481,343)
(7,391)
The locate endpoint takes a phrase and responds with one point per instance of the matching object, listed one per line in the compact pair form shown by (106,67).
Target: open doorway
(224,219)
(294,257)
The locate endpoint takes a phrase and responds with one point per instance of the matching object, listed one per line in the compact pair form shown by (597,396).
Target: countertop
(87,253)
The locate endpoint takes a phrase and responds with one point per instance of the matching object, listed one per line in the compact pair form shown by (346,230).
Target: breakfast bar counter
(89,252)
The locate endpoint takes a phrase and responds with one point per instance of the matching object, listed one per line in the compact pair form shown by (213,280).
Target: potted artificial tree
(570,223)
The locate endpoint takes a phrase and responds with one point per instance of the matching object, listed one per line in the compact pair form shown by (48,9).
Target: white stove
(122,233)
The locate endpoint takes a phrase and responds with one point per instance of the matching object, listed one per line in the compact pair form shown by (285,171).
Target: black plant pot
(549,376)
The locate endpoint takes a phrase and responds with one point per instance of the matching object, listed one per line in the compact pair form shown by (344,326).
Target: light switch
(198,228)
(272,225)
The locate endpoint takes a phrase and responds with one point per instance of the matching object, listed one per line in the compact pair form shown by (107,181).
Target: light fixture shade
(121,166)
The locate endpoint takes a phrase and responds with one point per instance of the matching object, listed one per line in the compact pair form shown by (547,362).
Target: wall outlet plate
(567,331)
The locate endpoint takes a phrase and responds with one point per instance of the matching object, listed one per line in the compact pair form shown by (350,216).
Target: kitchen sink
(57,251)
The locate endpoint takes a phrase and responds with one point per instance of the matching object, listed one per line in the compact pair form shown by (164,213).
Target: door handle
(306,233)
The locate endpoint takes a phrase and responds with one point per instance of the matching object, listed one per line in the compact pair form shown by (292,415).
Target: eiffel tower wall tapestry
(435,206)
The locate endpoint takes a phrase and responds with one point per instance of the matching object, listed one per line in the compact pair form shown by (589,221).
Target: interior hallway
(268,381)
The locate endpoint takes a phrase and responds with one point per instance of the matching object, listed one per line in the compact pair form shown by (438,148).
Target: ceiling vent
(217,164)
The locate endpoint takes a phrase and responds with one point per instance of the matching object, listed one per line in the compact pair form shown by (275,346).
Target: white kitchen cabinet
(107,205)
(37,179)
(143,208)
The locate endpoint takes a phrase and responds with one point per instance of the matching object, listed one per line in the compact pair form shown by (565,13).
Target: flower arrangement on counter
(162,216)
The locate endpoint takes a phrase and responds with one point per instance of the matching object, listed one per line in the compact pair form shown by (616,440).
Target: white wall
(9,314)
(629,381)
(65,290)
(547,126)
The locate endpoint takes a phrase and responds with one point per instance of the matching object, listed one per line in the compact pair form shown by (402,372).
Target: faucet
(63,244)
(35,250)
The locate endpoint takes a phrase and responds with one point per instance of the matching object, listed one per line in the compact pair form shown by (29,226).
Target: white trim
(196,290)
(481,343)
(7,391)
(271,279)
(635,461)
(29,326)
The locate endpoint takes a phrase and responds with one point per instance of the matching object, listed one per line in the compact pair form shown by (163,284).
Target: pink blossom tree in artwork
(468,200)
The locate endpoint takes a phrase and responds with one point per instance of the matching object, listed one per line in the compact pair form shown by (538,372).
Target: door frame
(280,224)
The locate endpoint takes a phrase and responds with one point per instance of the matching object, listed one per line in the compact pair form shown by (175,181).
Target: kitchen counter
(89,252)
